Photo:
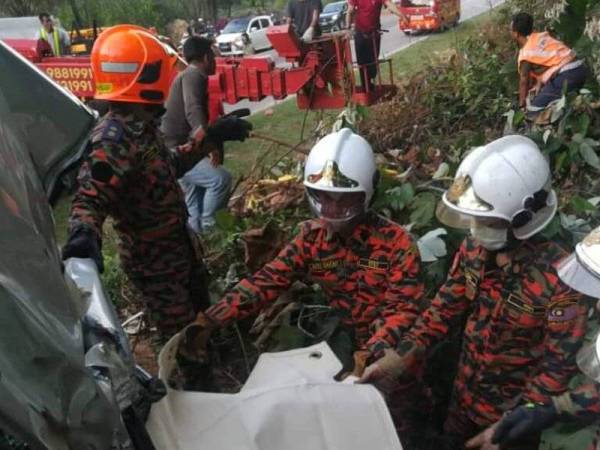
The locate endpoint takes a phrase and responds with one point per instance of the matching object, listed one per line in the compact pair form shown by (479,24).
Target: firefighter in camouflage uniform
(367,265)
(581,271)
(131,176)
(523,325)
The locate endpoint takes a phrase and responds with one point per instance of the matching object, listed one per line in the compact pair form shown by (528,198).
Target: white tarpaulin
(290,401)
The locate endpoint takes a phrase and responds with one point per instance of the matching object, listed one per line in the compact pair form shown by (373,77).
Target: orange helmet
(132,65)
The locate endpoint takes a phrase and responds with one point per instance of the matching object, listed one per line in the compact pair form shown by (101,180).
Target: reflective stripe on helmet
(114,67)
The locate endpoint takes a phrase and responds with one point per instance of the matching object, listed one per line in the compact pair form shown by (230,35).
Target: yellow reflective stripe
(56,43)
(55,38)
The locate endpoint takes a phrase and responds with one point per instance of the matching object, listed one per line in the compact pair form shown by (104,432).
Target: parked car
(429,15)
(333,17)
(245,35)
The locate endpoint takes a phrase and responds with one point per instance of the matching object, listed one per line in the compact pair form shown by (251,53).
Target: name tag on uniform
(373,264)
(521,305)
(324,264)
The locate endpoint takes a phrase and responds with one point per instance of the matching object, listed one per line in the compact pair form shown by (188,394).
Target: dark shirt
(187,106)
(301,13)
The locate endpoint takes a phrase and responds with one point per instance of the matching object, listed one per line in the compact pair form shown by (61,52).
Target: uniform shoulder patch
(109,130)
(564,308)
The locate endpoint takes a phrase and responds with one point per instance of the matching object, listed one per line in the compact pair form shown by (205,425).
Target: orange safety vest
(542,49)
(44,35)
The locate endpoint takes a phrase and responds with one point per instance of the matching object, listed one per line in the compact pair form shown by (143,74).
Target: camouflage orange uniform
(523,330)
(132,177)
(370,278)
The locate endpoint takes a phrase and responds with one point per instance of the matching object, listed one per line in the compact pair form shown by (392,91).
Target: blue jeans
(206,190)
(573,79)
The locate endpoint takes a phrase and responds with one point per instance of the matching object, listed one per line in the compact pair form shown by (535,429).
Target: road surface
(391,42)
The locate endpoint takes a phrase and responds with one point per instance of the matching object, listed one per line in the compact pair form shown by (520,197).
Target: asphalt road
(392,41)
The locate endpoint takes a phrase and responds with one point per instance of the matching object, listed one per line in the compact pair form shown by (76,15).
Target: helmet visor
(336,206)
(456,219)
(576,275)
(462,195)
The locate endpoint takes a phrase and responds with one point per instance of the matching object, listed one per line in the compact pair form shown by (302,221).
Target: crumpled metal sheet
(290,401)
(47,396)
(47,119)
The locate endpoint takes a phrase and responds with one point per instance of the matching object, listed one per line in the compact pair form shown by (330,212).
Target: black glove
(84,243)
(229,128)
(524,420)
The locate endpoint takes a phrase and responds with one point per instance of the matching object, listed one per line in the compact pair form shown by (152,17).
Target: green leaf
(423,209)
(560,161)
(400,197)
(583,124)
(589,155)
(553,229)
(363,111)
(518,118)
(225,221)
(581,205)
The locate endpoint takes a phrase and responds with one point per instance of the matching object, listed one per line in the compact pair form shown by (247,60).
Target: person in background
(208,184)
(365,16)
(304,16)
(56,37)
(546,66)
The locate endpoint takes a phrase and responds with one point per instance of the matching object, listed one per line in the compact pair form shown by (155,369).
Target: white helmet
(340,167)
(508,179)
(581,271)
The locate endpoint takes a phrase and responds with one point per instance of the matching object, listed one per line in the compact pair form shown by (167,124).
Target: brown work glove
(193,346)
(360,362)
(384,373)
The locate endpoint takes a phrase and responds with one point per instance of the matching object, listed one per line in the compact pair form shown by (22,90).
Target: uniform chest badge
(367,263)
(523,306)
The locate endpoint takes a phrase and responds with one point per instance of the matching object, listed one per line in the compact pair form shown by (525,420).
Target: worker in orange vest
(546,66)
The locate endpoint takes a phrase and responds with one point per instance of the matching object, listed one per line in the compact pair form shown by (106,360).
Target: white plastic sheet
(290,401)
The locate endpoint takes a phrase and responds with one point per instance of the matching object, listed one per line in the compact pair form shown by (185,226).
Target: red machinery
(322,75)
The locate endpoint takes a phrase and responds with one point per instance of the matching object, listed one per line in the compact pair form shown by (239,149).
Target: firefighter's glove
(229,128)
(384,373)
(360,362)
(84,243)
(193,346)
(523,421)
(308,34)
